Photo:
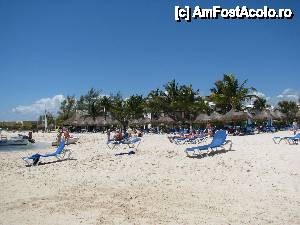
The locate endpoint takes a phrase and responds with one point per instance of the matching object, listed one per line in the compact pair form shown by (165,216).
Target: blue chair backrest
(60,147)
(219,138)
(297,135)
(135,139)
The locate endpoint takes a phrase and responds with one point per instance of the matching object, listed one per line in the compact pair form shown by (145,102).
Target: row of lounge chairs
(132,143)
(218,143)
(187,140)
(63,153)
(290,140)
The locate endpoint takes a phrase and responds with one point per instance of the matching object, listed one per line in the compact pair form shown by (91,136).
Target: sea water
(30,146)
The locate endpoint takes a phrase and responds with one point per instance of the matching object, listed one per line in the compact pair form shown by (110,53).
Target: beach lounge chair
(192,140)
(218,142)
(133,143)
(60,153)
(290,140)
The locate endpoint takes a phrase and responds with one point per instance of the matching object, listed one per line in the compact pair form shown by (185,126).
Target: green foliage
(67,109)
(229,93)
(106,103)
(180,102)
(290,108)
(124,110)
(260,104)
(91,103)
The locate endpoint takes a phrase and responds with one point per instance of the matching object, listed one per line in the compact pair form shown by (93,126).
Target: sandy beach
(258,182)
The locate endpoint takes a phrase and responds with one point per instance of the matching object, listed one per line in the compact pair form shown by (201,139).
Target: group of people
(208,131)
(63,134)
(118,135)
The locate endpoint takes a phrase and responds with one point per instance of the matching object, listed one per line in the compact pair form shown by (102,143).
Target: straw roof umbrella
(298,114)
(216,117)
(141,121)
(164,120)
(111,121)
(80,122)
(68,121)
(202,118)
(102,121)
(278,115)
(89,121)
(263,115)
(76,122)
(233,115)
(73,120)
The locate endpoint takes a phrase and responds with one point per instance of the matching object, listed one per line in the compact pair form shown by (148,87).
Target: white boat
(19,140)
(71,140)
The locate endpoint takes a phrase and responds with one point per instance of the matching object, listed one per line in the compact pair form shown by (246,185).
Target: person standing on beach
(295,126)
(108,134)
(209,130)
(66,134)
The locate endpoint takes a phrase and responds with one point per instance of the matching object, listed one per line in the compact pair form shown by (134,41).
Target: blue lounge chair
(192,140)
(133,143)
(60,154)
(290,140)
(219,141)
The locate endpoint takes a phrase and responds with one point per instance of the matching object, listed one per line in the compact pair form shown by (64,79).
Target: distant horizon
(53,49)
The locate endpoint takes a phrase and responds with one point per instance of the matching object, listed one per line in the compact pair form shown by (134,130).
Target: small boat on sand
(19,140)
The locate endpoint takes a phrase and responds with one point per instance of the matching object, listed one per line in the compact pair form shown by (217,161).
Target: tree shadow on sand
(48,163)
(213,153)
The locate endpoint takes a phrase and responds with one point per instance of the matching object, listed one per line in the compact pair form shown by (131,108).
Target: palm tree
(260,104)
(90,103)
(180,102)
(105,103)
(124,110)
(290,108)
(229,93)
(67,109)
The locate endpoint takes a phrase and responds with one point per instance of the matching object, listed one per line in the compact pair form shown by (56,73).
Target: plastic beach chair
(290,140)
(133,143)
(60,154)
(218,142)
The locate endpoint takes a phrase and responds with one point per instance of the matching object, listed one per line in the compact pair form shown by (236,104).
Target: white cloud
(289,94)
(38,107)
(259,94)
(286,95)
(249,103)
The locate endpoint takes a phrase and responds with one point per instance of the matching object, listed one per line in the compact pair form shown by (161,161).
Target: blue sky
(49,49)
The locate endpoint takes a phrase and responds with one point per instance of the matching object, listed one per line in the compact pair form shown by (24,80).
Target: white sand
(257,183)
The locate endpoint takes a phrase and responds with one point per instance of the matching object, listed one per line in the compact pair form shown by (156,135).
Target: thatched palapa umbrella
(202,118)
(233,115)
(102,121)
(216,117)
(263,115)
(277,115)
(142,121)
(73,120)
(163,120)
(298,114)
